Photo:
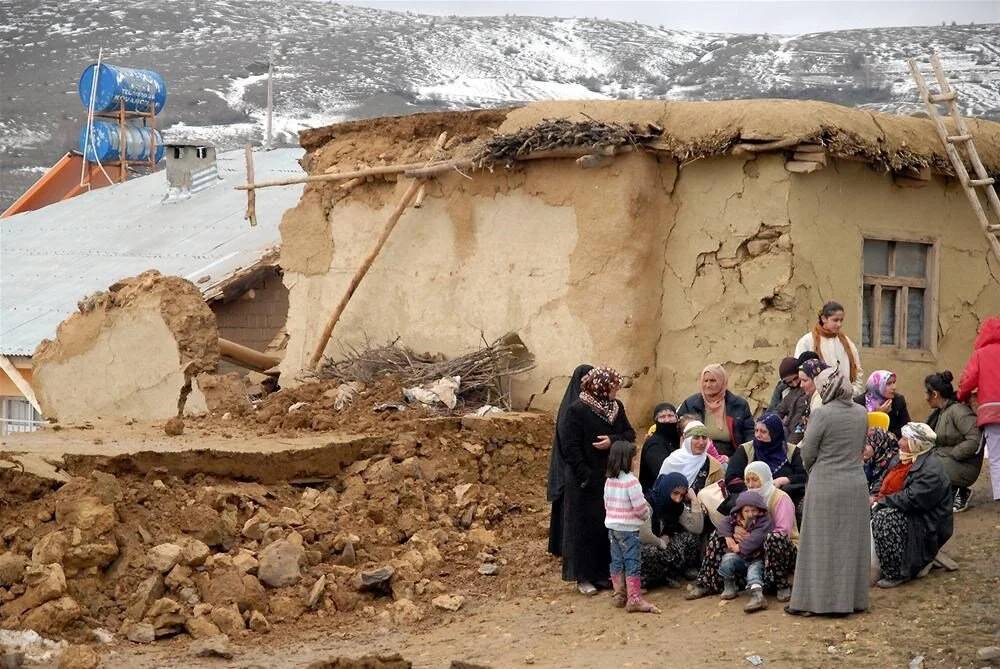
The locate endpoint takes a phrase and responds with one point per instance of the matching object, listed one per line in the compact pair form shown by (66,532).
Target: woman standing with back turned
(828,340)
(832,569)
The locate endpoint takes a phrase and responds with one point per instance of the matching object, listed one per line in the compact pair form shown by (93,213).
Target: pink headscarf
(876,388)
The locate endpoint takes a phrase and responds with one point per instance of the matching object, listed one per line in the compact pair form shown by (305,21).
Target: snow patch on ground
(472,90)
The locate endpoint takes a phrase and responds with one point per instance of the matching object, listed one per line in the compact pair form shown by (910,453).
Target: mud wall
(640,265)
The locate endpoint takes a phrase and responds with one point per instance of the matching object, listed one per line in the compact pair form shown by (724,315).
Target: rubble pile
(412,533)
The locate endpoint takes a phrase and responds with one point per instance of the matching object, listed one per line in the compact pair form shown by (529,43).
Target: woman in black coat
(912,517)
(727,416)
(881,396)
(592,423)
(663,440)
(554,490)
(769,446)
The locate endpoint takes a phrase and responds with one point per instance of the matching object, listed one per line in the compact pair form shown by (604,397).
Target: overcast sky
(711,16)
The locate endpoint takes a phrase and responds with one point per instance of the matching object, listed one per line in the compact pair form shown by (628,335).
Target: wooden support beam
(767,146)
(404,202)
(810,157)
(14,374)
(247,357)
(802,167)
(251,214)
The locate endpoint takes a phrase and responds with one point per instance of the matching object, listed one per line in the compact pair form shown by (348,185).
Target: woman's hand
(692,497)
(732,545)
(867,454)
(739,533)
(885,406)
(782,481)
(603,443)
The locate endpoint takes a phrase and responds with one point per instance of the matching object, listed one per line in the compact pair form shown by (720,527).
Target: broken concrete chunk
(163,557)
(279,564)
(378,581)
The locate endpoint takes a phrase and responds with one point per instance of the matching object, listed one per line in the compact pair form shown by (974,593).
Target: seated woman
(727,416)
(663,440)
(780,546)
(881,447)
(881,396)
(958,442)
(769,446)
(692,459)
(672,536)
(912,516)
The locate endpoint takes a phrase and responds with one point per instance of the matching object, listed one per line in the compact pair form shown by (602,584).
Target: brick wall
(254,318)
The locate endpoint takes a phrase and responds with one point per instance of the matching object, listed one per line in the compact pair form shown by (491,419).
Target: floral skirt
(890,533)
(660,564)
(779,562)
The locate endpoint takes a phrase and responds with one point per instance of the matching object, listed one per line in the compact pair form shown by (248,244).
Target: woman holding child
(594,421)
(832,568)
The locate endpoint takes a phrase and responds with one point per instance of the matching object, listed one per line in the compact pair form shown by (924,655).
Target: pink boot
(636,603)
(619,597)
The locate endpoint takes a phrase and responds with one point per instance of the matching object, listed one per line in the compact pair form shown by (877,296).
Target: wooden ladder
(949,97)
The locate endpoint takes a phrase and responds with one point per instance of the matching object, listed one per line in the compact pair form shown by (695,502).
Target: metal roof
(53,257)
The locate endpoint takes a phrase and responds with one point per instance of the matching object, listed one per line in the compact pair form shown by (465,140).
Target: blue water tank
(136,87)
(105,140)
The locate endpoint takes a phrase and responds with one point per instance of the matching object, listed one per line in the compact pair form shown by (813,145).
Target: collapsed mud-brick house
(124,347)
(713,234)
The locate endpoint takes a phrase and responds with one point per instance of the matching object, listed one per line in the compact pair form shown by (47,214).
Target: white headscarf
(763,472)
(922,439)
(683,460)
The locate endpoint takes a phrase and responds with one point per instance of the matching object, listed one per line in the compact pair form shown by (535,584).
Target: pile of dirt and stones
(432,518)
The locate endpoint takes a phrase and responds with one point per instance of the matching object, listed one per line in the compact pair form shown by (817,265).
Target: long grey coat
(832,569)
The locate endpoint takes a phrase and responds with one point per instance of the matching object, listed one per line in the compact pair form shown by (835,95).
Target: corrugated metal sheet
(53,257)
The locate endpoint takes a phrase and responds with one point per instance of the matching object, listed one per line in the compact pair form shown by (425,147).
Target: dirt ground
(522,616)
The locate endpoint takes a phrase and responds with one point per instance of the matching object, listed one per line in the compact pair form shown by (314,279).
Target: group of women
(849,481)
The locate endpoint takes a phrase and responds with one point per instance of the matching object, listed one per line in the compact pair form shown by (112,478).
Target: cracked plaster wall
(639,265)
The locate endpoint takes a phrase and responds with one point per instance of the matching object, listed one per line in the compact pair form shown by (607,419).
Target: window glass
(867,304)
(911,260)
(876,257)
(887,317)
(915,318)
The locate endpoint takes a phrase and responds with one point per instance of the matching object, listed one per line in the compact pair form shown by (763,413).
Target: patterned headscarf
(774,453)
(921,438)
(813,367)
(598,384)
(833,385)
(876,388)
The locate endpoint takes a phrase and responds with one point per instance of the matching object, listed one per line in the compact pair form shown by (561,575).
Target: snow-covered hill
(336,62)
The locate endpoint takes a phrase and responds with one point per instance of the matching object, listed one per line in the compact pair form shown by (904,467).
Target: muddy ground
(437,498)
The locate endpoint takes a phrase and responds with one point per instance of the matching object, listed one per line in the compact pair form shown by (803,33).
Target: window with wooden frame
(897,295)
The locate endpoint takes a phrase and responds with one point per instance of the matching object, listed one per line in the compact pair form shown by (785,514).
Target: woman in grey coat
(832,569)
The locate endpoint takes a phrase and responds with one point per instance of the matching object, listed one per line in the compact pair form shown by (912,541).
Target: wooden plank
(802,167)
(981,182)
(896,281)
(955,139)
(251,213)
(404,202)
(14,374)
(810,148)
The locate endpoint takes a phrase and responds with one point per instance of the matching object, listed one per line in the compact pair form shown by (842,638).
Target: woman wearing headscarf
(959,440)
(881,396)
(795,424)
(554,490)
(828,340)
(781,545)
(663,440)
(832,568)
(726,416)
(881,448)
(592,423)
(673,543)
(769,447)
(912,515)
(692,459)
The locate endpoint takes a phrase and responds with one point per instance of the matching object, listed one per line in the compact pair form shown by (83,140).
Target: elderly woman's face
(752,481)
(666,416)
(698,445)
(807,383)
(710,384)
(904,445)
(760,433)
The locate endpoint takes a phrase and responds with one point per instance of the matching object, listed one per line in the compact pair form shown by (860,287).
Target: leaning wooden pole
(404,202)
(251,214)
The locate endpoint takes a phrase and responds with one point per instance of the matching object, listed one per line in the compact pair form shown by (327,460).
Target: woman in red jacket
(982,376)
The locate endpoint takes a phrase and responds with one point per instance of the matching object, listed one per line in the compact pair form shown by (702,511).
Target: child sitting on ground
(625,509)
(745,530)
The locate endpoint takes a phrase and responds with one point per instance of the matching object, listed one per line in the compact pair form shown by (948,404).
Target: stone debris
(279,563)
(988,654)
(174,427)
(162,558)
(375,580)
(79,657)
(214,646)
(448,602)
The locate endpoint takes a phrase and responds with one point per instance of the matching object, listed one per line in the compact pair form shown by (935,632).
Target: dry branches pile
(485,373)
(560,134)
